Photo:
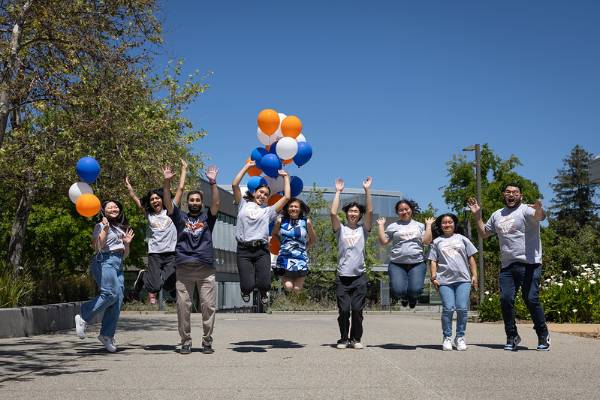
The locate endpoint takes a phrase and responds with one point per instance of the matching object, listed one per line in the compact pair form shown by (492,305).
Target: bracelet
(212,181)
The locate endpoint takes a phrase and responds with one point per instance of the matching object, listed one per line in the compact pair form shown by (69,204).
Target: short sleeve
(433,252)
(272,213)
(490,225)
(177,218)
(469,247)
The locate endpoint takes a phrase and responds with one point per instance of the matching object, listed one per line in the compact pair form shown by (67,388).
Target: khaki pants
(190,276)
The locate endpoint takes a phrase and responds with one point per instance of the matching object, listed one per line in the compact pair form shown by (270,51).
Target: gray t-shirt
(351,250)
(519,235)
(161,233)
(253,221)
(114,238)
(407,241)
(452,255)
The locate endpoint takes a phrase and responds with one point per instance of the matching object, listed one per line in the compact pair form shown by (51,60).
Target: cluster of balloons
(81,193)
(283,144)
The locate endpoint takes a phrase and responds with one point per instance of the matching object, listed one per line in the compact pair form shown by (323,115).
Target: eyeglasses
(512,192)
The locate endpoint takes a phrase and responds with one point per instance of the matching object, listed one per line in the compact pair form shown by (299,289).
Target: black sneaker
(404,302)
(186,349)
(343,344)
(139,281)
(512,343)
(544,343)
(207,349)
(412,303)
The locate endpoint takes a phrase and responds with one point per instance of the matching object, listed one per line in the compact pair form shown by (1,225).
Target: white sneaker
(460,343)
(80,326)
(357,345)
(108,343)
(447,344)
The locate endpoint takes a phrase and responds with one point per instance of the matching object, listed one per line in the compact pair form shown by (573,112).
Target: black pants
(160,273)
(351,292)
(254,267)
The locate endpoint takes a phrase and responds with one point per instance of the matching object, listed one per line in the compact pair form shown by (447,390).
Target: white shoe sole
(80,326)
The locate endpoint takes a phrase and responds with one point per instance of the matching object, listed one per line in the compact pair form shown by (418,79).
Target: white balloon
(278,135)
(262,137)
(286,148)
(275,184)
(77,189)
(300,138)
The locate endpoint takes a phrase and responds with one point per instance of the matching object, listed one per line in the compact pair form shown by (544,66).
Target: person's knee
(297,289)
(531,300)
(110,295)
(448,309)
(507,298)
(287,285)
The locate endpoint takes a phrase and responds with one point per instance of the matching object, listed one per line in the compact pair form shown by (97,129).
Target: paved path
(291,356)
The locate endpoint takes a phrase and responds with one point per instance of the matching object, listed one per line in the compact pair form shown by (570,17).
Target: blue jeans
(527,277)
(406,280)
(455,296)
(108,274)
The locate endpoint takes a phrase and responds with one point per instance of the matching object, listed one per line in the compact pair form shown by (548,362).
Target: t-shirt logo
(450,249)
(352,238)
(507,224)
(161,223)
(194,227)
(408,234)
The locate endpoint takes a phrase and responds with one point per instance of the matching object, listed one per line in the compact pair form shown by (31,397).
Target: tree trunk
(17,237)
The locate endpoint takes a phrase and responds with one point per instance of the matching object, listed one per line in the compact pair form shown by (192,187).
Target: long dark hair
(120,221)
(250,196)
(146,199)
(304,209)
(437,225)
(413,205)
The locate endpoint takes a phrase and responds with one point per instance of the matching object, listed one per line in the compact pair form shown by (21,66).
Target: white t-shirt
(253,221)
(351,250)
(452,256)
(161,233)
(407,241)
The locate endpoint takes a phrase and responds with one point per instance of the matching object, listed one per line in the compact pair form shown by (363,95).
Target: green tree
(573,206)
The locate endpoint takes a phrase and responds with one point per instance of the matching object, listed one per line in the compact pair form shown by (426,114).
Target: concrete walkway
(291,356)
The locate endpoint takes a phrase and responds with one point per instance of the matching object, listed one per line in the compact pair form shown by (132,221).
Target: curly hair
(304,209)
(413,205)
(437,225)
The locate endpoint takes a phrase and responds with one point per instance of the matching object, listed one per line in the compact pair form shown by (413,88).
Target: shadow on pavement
(261,346)
(394,346)
(497,346)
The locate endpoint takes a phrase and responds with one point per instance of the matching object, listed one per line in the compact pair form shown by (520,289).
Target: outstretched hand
(473,205)
(429,221)
(168,172)
(381,221)
(211,172)
(367,182)
(537,205)
(128,236)
(282,173)
(339,185)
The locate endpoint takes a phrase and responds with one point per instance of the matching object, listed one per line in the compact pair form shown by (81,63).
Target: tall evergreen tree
(574,204)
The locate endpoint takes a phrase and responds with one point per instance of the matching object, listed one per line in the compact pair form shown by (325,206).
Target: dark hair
(250,196)
(361,208)
(414,206)
(146,199)
(513,184)
(437,225)
(304,209)
(191,192)
(120,221)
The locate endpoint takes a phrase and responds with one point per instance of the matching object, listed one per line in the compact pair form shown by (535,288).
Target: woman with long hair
(296,235)
(111,239)
(252,233)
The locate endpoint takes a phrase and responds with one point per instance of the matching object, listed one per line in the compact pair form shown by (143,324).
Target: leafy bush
(564,298)
(15,289)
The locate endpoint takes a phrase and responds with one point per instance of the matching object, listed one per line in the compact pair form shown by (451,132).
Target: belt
(253,243)
(113,253)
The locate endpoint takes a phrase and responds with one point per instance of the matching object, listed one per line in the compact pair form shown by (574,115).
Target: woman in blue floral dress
(296,235)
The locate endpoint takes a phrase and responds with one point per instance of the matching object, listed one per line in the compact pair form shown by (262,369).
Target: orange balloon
(274,199)
(286,162)
(254,171)
(291,126)
(268,121)
(274,245)
(87,205)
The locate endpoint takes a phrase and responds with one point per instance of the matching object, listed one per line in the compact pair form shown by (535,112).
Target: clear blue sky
(393,89)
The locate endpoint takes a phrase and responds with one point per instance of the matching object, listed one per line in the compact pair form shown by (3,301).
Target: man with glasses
(518,228)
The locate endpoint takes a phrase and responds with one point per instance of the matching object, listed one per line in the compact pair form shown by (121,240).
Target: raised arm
(181,186)
(427,235)
(335,204)
(211,174)
(383,239)
(235,185)
(476,211)
(539,214)
(167,201)
(132,194)
(369,212)
(287,191)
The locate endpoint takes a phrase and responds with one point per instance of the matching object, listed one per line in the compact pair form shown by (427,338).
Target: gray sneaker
(186,349)
(108,343)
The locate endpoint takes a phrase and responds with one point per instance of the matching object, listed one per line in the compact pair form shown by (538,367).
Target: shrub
(15,289)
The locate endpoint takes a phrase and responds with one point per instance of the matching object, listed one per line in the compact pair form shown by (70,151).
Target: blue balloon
(304,153)
(257,154)
(296,186)
(88,169)
(270,164)
(272,148)
(254,183)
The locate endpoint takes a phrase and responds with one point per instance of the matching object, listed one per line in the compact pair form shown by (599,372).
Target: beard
(194,209)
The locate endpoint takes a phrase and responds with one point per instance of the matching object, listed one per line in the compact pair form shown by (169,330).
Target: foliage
(573,204)
(565,298)
(15,290)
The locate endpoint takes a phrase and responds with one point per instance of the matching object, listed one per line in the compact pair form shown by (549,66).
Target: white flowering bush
(565,298)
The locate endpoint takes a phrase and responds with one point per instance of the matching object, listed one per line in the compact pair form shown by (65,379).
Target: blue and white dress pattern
(293,257)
